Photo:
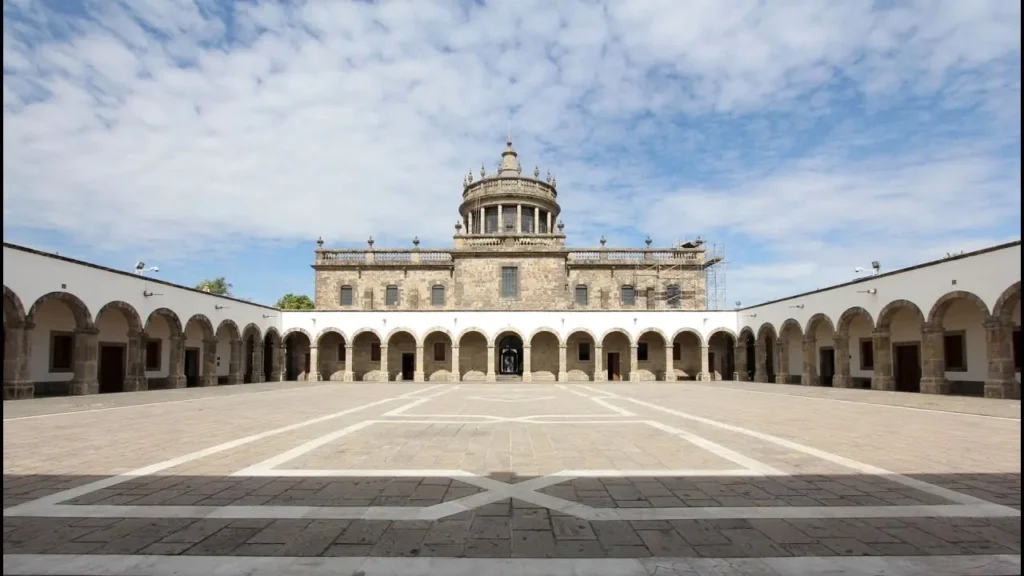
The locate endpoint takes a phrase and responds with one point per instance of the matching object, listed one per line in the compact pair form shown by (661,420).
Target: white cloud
(157,123)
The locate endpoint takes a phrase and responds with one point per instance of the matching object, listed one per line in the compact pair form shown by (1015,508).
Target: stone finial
(458,227)
(536,171)
(519,168)
(549,176)
(370,242)
(648,241)
(554,182)
(416,241)
(469,176)
(603,241)
(561,226)
(483,171)
(320,242)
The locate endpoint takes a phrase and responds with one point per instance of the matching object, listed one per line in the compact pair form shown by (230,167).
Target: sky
(218,138)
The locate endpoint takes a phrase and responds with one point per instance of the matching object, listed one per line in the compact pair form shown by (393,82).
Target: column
(491,377)
(810,362)
(417,375)
(600,375)
(456,374)
(705,367)
(501,222)
(18,384)
(135,367)
(740,354)
(550,230)
(257,362)
(349,362)
(933,374)
(483,221)
(634,372)
(782,354)
(841,346)
(235,362)
(86,356)
(881,377)
(1000,381)
(469,223)
(280,369)
(519,218)
(314,365)
(527,364)
(760,361)
(563,373)
(536,219)
(176,362)
(670,369)
(209,375)
(385,375)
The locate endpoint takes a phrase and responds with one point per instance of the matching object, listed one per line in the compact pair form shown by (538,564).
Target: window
(542,225)
(341,352)
(437,295)
(375,352)
(628,295)
(153,350)
(867,354)
(508,219)
(581,295)
(509,282)
(641,352)
(527,220)
(677,351)
(62,352)
(491,220)
(391,296)
(672,296)
(1016,349)
(954,346)
(346,295)
(584,352)
(439,351)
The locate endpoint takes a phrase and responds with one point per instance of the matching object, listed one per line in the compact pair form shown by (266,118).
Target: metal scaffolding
(676,282)
(714,278)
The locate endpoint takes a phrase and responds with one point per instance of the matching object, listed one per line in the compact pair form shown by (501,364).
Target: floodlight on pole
(141,269)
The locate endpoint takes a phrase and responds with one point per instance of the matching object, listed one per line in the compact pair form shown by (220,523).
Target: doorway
(112,368)
(711,366)
(191,367)
(769,358)
(510,356)
(408,365)
(614,370)
(248,369)
(907,367)
(268,361)
(306,364)
(827,362)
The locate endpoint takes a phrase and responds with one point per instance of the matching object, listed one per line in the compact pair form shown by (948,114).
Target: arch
(889,312)
(727,331)
(204,323)
(249,329)
(233,332)
(83,318)
(127,310)
(788,326)
(293,331)
(529,342)
(693,331)
(846,318)
(395,331)
(938,312)
(480,331)
(1004,304)
(441,329)
(814,321)
(766,331)
(498,334)
(747,333)
(14,310)
(622,331)
(170,317)
(272,335)
(657,331)
(327,331)
(581,331)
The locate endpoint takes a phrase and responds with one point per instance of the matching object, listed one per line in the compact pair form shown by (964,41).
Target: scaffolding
(714,278)
(675,282)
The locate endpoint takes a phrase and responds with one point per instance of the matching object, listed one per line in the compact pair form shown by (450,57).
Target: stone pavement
(480,479)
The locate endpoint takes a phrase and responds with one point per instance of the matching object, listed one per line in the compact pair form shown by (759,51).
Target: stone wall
(541,282)
(604,288)
(368,288)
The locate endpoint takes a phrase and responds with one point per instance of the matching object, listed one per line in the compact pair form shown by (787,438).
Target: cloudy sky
(221,138)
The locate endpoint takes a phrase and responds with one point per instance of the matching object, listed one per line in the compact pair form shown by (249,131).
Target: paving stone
(532,544)
(665,543)
(490,528)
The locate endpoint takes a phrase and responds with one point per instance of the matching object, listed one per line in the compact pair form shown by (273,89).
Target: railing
(638,256)
(382,257)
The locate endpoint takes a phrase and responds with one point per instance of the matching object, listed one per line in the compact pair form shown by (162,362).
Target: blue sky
(222,138)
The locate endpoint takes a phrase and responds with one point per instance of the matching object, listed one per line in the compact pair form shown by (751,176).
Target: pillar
(349,362)
(469,223)
(483,221)
(881,376)
(519,218)
(385,375)
(86,356)
(18,384)
(501,222)
(842,378)
(933,374)
(257,362)
(563,373)
(208,377)
(491,377)
(235,362)
(280,369)
(550,230)
(456,374)
(536,219)
(740,355)
(527,363)
(670,369)
(135,367)
(599,372)
(1000,382)
(634,373)
(418,373)
(760,361)
(314,364)
(705,368)
(782,354)
(176,362)
(810,362)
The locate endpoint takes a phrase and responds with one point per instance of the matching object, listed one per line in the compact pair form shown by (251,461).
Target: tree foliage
(219,286)
(295,302)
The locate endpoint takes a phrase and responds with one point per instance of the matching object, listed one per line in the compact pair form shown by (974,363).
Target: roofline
(893,273)
(129,274)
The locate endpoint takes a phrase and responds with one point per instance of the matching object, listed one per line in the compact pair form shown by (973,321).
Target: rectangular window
(509,282)
(62,352)
(346,295)
(508,219)
(528,220)
(677,351)
(375,352)
(439,351)
(581,295)
(341,352)
(437,295)
(391,296)
(153,353)
(641,352)
(954,346)
(584,352)
(867,354)
(491,220)
(542,225)
(1016,349)
(628,296)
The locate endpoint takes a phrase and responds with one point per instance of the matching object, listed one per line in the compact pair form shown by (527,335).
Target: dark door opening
(112,368)
(827,362)
(249,350)
(306,364)
(191,367)
(268,361)
(408,365)
(907,367)
(769,359)
(751,366)
(510,356)
(711,366)
(614,370)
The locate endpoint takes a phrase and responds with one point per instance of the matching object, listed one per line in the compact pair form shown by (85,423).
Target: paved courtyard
(477,479)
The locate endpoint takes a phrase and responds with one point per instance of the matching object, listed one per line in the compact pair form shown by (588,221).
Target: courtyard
(517,478)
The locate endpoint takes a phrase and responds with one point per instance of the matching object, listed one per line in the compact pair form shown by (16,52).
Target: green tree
(295,302)
(219,286)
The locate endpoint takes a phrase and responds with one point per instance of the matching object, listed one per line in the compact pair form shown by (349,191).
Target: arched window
(391,296)
(581,295)
(628,295)
(437,295)
(672,296)
(346,295)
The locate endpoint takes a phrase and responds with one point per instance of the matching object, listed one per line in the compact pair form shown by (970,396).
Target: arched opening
(401,357)
(229,353)
(581,356)
(721,355)
(200,363)
(119,360)
(855,349)
(16,343)
(651,362)
(820,352)
(1005,351)
(900,325)
(63,343)
(508,361)
(331,355)
(297,355)
(764,367)
(272,356)
(473,356)
(790,354)
(748,364)
(957,354)
(163,350)
(252,355)
(437,357)
(617,356)
(686,357)
(544,351)
(367,357)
